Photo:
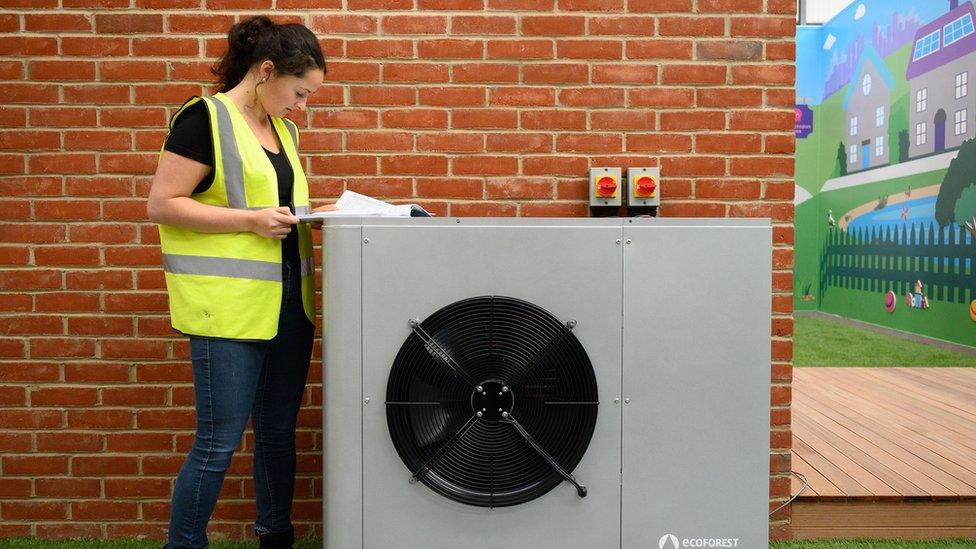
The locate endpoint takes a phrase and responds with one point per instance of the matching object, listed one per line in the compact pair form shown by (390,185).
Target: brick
(128,23)
(729,143)
(763,166)
(68,442)
(483,25)
(592,97)
(28,46)
(522,97)
(413,72)
(482,209)
(661,97)
(450,49)
(345,118)
(694,74)
(34,510)
(30,279)
(555,73)
(727,189)
(554,209)
(733,50)
(134,396)
(138,442)
(553,165)
(452,97)
(397,24)
(383,49)
(484,165)
(770,27)
(15,488)
(659,6)
(726,6)
(638,25)
(413,165)
(99,326)
(68,488)
(632,119)
(521,142)
(138,488)
(133,117)
(554,120)
(763,74)
(693,165)
(33,420)
(729,97)
(625,74)
(691,26)
(519,188)
(345,165)
(414,118)
(453,5)
(128,71)
(166,419)
(451,188)
(100,418)
(589,49)
(589,143)
(379,141)
(102,510)
(659,49)
(450,142)
(522,5)
(553,25)
(65,255)
(97,140)
(692,209)
(780,51)
(520,49)
(658,143)
(484,72)
(97,94)
(29,93)
(57,22)
(61,70)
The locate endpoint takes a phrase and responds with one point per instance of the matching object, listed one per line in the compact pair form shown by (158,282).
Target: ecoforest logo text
(670,541)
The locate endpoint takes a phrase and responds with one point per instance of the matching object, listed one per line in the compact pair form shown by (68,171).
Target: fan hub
(493,399)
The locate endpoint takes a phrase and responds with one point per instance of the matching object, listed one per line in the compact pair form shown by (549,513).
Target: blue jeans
(234,380)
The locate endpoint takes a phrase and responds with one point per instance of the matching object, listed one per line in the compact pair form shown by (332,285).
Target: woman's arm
(170,204)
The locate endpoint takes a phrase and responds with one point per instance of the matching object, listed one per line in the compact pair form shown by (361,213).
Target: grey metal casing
(712,391)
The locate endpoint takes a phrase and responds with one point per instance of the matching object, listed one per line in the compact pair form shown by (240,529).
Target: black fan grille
(497,343)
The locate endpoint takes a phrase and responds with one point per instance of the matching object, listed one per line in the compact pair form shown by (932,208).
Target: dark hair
(292,48)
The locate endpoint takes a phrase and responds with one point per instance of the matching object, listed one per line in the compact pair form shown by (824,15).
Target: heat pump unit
(546,383)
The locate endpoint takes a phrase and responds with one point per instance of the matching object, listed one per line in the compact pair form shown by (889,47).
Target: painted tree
(842,158)
(960,176)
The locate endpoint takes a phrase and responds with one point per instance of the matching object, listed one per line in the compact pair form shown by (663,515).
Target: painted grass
(818,342)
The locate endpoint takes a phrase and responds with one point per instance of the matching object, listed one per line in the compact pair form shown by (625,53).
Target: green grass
(875,544)
(818,342)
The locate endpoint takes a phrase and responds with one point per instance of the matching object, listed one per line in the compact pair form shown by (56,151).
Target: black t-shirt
(190,138)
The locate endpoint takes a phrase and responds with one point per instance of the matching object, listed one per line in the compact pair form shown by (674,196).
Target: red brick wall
(472,107)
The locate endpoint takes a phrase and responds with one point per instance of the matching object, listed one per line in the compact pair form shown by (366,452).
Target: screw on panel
(366,400)
(413,322)
(616,401)
(618,242)
(629,241)
(626,401)
(365,241)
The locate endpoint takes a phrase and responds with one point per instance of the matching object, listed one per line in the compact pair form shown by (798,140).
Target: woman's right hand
(273,222)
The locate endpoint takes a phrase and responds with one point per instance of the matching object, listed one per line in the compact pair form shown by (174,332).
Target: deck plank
(886,432)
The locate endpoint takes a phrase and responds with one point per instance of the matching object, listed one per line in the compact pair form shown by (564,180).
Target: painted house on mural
(867,105)
(943,57)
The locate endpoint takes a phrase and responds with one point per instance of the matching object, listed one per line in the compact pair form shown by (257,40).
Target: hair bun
(244,35)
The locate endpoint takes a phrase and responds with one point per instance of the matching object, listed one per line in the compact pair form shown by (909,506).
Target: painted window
(853,154)
(879,116)
(920,133)
(866,84)
(921,99)
(879,146)
(853,125)
(962,84)
(960,122)
(926,45)
(958,29)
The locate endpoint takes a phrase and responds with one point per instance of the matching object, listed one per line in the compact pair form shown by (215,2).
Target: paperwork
(352,204)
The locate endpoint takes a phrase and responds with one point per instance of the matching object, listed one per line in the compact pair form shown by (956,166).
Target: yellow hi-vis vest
(228,285)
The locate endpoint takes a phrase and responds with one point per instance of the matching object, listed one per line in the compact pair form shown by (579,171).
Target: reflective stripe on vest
(232,165)
(222,266)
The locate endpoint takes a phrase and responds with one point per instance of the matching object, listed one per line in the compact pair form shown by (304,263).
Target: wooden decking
(887,452)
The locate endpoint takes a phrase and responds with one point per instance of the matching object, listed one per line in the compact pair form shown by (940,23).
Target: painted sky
(816,46)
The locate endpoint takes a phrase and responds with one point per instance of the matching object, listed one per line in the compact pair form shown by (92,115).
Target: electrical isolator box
(605,187)
(644,186)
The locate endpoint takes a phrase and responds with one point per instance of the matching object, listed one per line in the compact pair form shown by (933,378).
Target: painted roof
(945,54)
(879,65)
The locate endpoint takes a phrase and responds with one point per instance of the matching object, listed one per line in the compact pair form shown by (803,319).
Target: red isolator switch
(646,186)
(606,186)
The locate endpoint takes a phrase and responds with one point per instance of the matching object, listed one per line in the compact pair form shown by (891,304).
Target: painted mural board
(886,168)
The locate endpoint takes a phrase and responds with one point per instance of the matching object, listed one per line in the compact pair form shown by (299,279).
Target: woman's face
(284,93)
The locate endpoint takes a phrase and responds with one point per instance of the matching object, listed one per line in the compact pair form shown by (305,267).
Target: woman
(239,269)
